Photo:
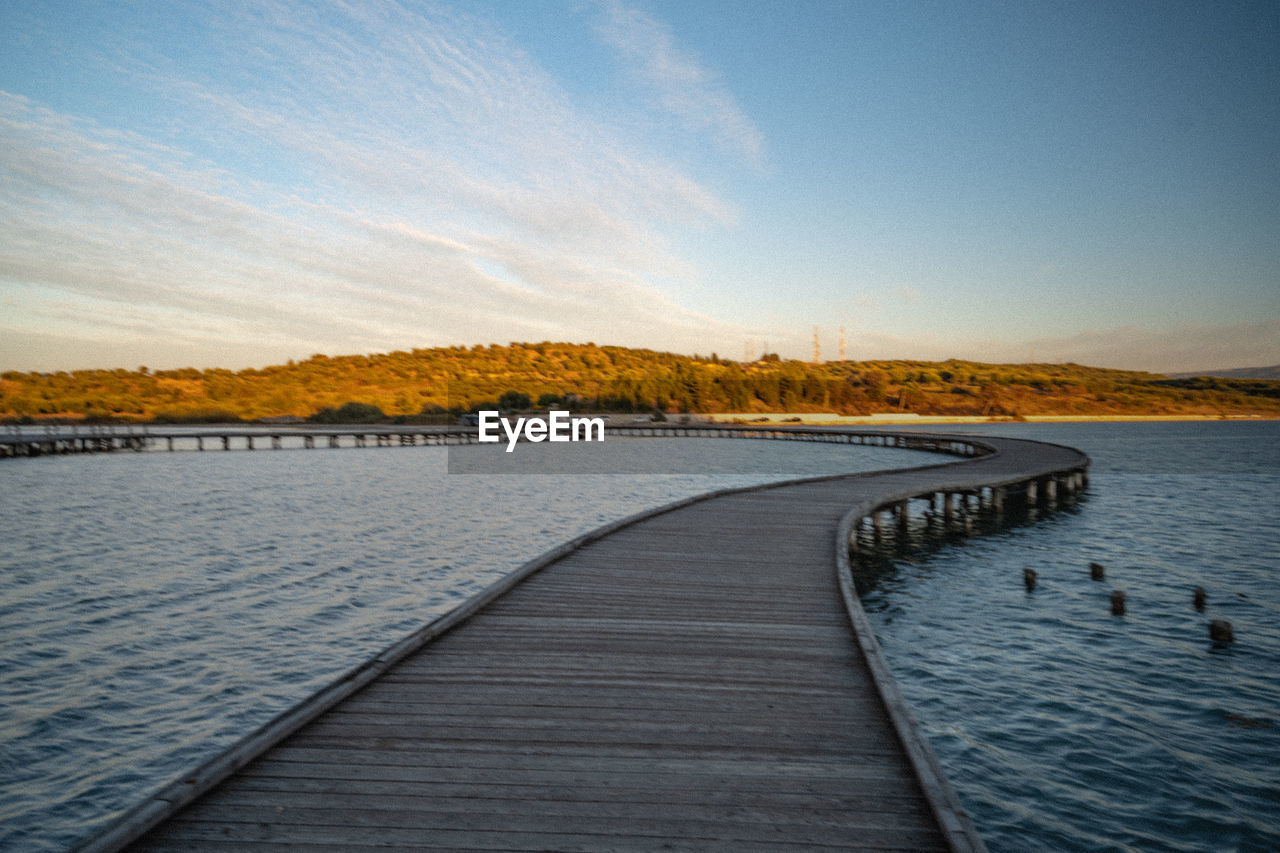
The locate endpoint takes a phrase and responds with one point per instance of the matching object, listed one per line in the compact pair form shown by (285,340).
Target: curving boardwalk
(698,678)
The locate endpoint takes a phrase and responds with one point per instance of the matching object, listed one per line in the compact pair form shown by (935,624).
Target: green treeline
(440,383)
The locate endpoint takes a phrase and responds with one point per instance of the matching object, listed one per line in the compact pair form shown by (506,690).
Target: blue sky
(237,184)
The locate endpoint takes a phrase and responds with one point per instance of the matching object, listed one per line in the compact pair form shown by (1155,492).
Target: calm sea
(1065,728)
(154,607)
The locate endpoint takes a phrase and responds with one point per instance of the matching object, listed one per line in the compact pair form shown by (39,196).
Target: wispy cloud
(358,198)
(679,83)
(909,294)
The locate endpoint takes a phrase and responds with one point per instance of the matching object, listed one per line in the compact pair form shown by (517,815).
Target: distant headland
(442,383)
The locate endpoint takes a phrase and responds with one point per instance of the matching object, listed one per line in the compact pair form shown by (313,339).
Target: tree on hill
(349,413)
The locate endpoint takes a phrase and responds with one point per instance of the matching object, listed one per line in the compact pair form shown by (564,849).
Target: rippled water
(156,607)
(1066,728)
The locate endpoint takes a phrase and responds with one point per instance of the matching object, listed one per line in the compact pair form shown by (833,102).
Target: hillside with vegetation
(439,384)
(1271,372)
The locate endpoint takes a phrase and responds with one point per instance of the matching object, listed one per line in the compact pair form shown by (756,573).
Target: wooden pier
(57,441)
(699,677)
(61,441)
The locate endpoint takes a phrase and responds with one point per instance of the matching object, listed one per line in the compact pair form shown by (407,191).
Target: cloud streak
(678,83)
(358,199)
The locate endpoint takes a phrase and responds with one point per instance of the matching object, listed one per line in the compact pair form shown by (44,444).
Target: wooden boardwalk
(700,679)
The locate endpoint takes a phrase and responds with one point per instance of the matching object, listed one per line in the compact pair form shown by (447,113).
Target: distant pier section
(52,441)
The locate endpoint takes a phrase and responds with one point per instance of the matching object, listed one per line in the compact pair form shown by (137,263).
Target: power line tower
(817,347)
(842,352)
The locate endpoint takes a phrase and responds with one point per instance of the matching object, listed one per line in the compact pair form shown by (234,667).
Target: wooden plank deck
(690,681)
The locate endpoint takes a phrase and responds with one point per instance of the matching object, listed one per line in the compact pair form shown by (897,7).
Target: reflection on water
(884,551)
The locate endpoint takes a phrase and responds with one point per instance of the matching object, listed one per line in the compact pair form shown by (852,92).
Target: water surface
(156,607)
(1065,728)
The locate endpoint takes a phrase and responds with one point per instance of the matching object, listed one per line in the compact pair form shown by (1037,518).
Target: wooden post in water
(1198,598)
(1097,571)
(1117,602)
(1029,579)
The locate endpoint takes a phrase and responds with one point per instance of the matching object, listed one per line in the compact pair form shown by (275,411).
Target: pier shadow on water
(883,552)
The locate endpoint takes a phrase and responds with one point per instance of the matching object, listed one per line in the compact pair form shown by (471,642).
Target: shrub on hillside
(349,413)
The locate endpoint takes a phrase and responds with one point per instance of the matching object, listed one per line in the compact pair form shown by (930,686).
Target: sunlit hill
(440,383)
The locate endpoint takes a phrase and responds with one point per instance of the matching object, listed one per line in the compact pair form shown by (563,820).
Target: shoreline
(906,419)
(616,419)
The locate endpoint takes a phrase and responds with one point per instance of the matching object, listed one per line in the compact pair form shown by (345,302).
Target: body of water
(1065,728)
(156,607)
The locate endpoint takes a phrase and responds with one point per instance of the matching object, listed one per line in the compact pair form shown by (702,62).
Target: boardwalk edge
(953,820)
